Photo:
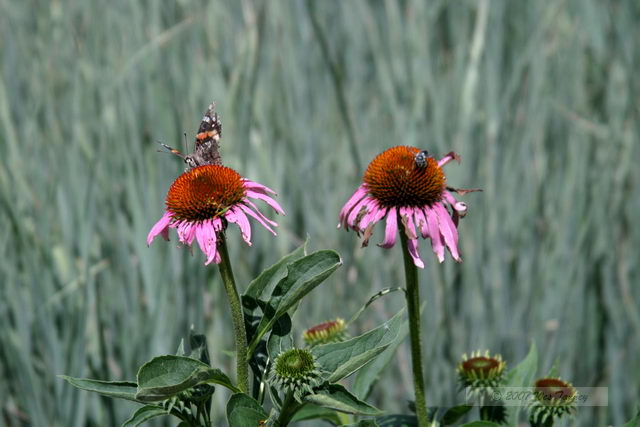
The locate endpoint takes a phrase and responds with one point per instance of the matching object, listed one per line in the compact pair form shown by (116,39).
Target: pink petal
(256,217)
(391,229)
(461,208)
(375,214)
(214,225)
(276,207)
(448,230)
(421,222)
(186,232)
(217,225)
(412,245)
(352,219)
(448,197)
(160,227)
(434,233)
(235,215)
(407,214)
(206,237)
(250,204)
(355,198)
(248,184)
(448,157)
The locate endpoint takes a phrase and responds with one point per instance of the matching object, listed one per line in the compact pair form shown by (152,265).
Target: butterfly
(207,142)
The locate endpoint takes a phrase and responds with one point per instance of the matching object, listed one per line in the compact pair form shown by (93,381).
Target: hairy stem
(289,408)
(413,308)
(239,332)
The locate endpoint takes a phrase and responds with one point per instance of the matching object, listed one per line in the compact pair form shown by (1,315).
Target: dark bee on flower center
(421,159)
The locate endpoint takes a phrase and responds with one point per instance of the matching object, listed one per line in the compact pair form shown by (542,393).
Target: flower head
(295,370)
(481,370)
(553,399)
(203,200)
(404,184)
(326,332)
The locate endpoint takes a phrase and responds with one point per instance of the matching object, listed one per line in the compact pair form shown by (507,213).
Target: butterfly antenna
(169,150)
(184,134)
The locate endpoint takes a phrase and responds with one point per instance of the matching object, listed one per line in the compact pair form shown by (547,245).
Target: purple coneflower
(203,200)
(407,187)
(404,184)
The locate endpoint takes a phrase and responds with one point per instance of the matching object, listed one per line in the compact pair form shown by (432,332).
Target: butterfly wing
(207,140)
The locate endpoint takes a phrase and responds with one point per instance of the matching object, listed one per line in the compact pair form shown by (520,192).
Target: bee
(421,159)
(207,142)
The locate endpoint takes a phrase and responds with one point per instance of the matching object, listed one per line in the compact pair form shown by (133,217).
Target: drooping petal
(448,230)
(160,227)
(252,214)
(448,197)
(407,218)
(421,222)
(206,238)
(461,208)
(434,233)
(357,213)
(448,157)
(217,224)
(391,229)
(213,227)
(186,232)
(235,215)
(257,211)
(375,213)
(412,245)
(248,184)
(355,198)
(268,200)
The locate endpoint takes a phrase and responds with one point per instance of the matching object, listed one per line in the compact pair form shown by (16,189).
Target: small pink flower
(202,201)
(405,186)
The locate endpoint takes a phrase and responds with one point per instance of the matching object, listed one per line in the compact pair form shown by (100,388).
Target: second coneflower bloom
(203,200)
(403,184)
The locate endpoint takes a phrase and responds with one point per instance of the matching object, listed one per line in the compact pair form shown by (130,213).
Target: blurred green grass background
(539,98)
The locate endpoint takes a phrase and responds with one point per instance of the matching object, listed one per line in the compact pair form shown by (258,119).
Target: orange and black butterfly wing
(207,140)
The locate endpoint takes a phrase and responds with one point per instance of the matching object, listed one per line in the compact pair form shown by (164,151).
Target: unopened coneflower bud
(553,399)
(324,333)
(481,370)
(295,370)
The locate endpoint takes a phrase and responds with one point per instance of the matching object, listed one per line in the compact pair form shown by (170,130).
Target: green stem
(289,408)
(413,307)
(242,365)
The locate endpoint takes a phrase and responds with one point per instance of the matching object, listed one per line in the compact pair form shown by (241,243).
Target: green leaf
(279,339)
(199,349)
(272,275)
(118,389)
(244,411)
(335,396)
(454,414)
(370,373)
(397,420)
(180,351)
(302,277)
(166,376)
(635,422)
(309,411)
(522,375)
(144,414)
(342,359)
(480,424)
